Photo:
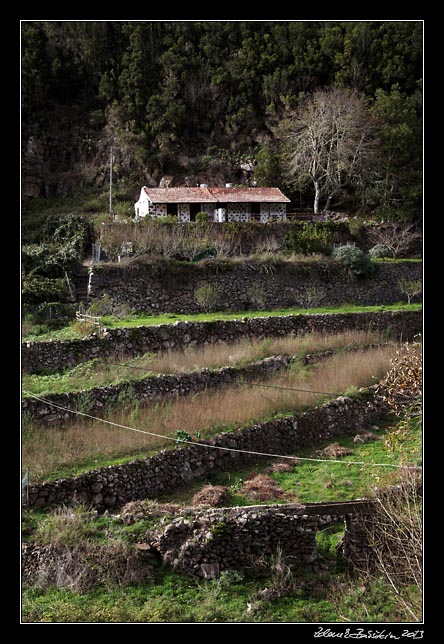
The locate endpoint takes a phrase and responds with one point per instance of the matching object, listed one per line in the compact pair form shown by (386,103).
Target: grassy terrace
(77,330)
(331,595)
(97,372)
(84,444)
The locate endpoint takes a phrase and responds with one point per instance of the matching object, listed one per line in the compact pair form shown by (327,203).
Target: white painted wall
(141,207)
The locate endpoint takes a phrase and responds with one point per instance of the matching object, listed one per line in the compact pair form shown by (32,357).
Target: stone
(210,571)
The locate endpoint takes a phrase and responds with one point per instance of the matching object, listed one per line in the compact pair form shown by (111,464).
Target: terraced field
(322,367)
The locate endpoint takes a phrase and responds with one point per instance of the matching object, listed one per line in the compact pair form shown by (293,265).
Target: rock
(210,571)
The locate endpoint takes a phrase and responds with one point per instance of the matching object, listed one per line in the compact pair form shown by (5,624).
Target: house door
(194,209)
(172,209)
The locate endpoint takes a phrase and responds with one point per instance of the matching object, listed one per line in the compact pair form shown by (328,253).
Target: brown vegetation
(213,495)
(262,487)
(47,450)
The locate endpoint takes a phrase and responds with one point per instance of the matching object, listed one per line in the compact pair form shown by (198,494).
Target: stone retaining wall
(113,486)
(207,542)
(161,287)
(148,390)
(134,341)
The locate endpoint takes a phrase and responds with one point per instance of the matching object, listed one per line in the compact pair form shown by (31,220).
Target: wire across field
(83,444)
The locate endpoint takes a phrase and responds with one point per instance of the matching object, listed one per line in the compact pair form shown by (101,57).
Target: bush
(101,306)
(207,297)
(202,218)
(380,251)
(257,295)
(124,209)
(37,289)
(354,259)
(308,239)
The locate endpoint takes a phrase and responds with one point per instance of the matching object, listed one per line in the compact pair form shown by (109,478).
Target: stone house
(221,204)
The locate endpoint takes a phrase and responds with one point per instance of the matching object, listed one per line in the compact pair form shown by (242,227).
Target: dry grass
(262,487)
(98,373)
(90,442)
(214,496)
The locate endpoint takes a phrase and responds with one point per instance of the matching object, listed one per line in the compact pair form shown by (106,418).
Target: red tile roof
(266,195)
(215,195)
(180,195)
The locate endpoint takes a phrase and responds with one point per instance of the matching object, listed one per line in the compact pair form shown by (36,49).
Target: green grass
(71,332)
(313,482)
(170,597)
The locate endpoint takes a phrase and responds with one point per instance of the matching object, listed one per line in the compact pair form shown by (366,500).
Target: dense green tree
(35,70)
(188,90)
(399,188)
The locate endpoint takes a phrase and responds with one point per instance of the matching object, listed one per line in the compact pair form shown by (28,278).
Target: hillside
(208,101)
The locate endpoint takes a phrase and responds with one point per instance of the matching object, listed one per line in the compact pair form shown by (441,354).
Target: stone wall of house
(58,355)
(156,288)
(113,486)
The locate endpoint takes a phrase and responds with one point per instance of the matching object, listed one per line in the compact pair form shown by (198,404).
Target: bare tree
(395,535)
(332,142)
(397,236)
(410,288)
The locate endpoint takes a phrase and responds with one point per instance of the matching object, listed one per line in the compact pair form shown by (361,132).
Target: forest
(202,100)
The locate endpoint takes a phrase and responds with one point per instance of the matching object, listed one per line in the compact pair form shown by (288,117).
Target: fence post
(25,488)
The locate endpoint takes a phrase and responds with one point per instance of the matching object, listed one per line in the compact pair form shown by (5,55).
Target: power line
(307,391)
(220,447)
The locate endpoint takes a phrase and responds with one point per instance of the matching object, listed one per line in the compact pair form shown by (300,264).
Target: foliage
(411,288)
(402,387)
(332,143)
(257,295)
(62,242)
(203,96)
(202,218)
(182,435)
(396,538)
(101,306)
(207,297)
(355,259)
(398,237)
(308,239)
(36,289)
(380,251)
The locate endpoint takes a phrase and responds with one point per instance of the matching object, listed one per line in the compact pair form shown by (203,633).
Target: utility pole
(111,184)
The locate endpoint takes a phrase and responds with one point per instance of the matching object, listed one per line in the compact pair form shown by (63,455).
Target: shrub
(380,251)
(37,289)
(202,218)
(124,208)
(354,259)
(410,288)
(101,306)
(166,219)
(257,295)
(308,239)
(207,296)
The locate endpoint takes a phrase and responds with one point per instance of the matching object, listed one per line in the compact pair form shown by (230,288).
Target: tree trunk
(317,198)
(328,202)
